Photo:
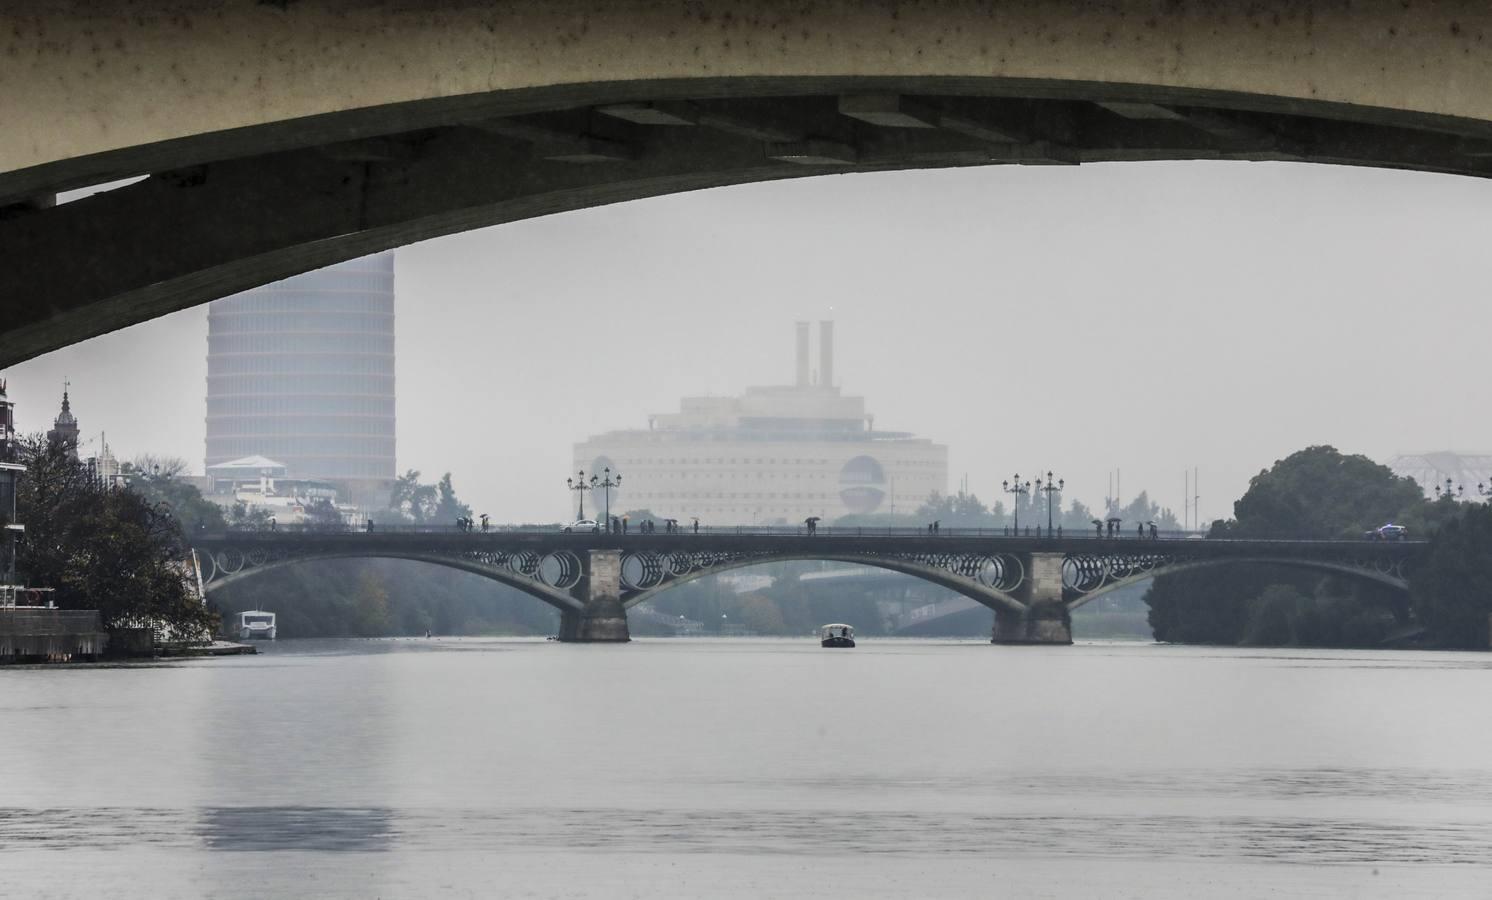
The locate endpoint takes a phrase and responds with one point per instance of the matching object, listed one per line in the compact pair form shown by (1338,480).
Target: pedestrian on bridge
(484,523)
(1140,531)
(624,524)
(696,524)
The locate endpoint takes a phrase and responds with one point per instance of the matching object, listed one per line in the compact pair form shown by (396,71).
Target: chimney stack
(826,353)
(802,354)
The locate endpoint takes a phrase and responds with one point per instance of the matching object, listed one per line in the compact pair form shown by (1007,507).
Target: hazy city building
(302,371)
(773,454)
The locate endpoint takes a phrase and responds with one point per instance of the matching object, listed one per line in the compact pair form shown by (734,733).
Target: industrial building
(771,455)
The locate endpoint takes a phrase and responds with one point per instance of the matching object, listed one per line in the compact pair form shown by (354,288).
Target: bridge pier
(1045,620)
(604,619)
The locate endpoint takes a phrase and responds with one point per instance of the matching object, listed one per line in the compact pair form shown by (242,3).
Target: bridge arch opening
(384,595)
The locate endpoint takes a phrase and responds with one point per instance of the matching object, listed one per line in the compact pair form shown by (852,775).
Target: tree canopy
(99,547)
(1319,494)
(426,504)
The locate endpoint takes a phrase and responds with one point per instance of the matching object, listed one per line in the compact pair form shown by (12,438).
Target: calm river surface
(750,768)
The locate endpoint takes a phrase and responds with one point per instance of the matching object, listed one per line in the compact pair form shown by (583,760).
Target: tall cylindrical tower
(302,372)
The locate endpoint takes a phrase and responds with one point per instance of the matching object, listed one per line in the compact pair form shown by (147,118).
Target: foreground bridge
(1031,584)
(279,136)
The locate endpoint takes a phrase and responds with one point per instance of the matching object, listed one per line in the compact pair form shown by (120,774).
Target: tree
(158,480)
(426,504)
(243,517)
(105,549)
(1452,589)
(322,515)
(1319,494)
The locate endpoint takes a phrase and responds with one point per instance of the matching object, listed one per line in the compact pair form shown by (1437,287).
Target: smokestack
(802,354)
(826,353)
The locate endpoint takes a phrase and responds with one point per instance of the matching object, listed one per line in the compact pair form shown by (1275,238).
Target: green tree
(1319,493)
(426,504)
(160,479)
(1452,589)
(103,548)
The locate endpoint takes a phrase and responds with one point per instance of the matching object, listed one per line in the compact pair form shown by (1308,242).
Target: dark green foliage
(113,550)
(382,597)
(1318,494)
(159,481)
(1272,606)
(1453,588)
(1315,494)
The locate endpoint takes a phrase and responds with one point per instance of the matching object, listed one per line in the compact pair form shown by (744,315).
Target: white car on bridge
(583,525)
(1389,532)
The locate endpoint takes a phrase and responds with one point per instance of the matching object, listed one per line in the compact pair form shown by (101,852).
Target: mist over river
(749,768)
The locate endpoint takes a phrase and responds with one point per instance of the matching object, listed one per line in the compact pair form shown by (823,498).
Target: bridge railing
(1023,533)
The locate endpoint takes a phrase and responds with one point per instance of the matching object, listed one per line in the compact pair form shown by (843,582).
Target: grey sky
(1147,317)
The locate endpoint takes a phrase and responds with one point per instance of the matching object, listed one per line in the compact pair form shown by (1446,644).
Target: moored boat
(256,624)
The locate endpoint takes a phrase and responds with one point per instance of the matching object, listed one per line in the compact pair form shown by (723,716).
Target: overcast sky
(1143,317)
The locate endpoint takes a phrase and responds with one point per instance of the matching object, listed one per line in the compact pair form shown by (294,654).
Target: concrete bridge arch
(280,137)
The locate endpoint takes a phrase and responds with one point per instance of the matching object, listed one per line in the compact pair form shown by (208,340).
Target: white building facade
(771,455)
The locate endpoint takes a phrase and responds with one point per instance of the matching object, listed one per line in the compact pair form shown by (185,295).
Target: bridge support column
(1045,619)
(604,619)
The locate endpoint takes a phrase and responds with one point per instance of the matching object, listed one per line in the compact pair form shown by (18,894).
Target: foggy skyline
(1146,317)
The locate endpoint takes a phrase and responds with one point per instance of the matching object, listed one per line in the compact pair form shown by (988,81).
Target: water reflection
(295,828)
(1334,841)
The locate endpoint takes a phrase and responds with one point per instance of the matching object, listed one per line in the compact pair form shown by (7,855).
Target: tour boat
(256,624)
(836,635)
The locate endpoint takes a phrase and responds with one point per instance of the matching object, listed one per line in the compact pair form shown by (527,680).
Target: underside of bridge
(281,137)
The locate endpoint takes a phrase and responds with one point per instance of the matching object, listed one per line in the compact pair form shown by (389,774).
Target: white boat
(256,624)
(836,635)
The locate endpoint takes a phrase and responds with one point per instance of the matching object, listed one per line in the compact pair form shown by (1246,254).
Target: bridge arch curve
(994,598)
(1325,567)
(551,596)
(434,118)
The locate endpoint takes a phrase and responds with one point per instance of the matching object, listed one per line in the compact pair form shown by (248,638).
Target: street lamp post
(1015,491)
(606,484)
(579,485)
(1448,492)
(1049,489)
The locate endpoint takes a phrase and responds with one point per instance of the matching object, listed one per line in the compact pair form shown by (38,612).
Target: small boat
(836,635)
(256,624)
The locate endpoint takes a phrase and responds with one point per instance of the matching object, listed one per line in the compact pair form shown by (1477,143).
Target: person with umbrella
(812,523)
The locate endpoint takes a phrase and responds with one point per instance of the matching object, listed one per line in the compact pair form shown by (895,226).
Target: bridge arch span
(1391,578)
(549,595)
(994,598)
(433,118)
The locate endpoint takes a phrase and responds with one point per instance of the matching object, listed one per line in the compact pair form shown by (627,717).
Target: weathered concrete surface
(284,136)
(1045,620)
(604,619)
(85,77)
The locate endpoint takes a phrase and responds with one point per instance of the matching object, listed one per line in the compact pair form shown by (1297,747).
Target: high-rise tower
(302,372)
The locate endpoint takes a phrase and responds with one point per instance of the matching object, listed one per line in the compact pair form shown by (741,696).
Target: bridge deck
(838,541)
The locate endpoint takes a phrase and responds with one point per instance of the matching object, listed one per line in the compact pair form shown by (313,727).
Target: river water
(750,768)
